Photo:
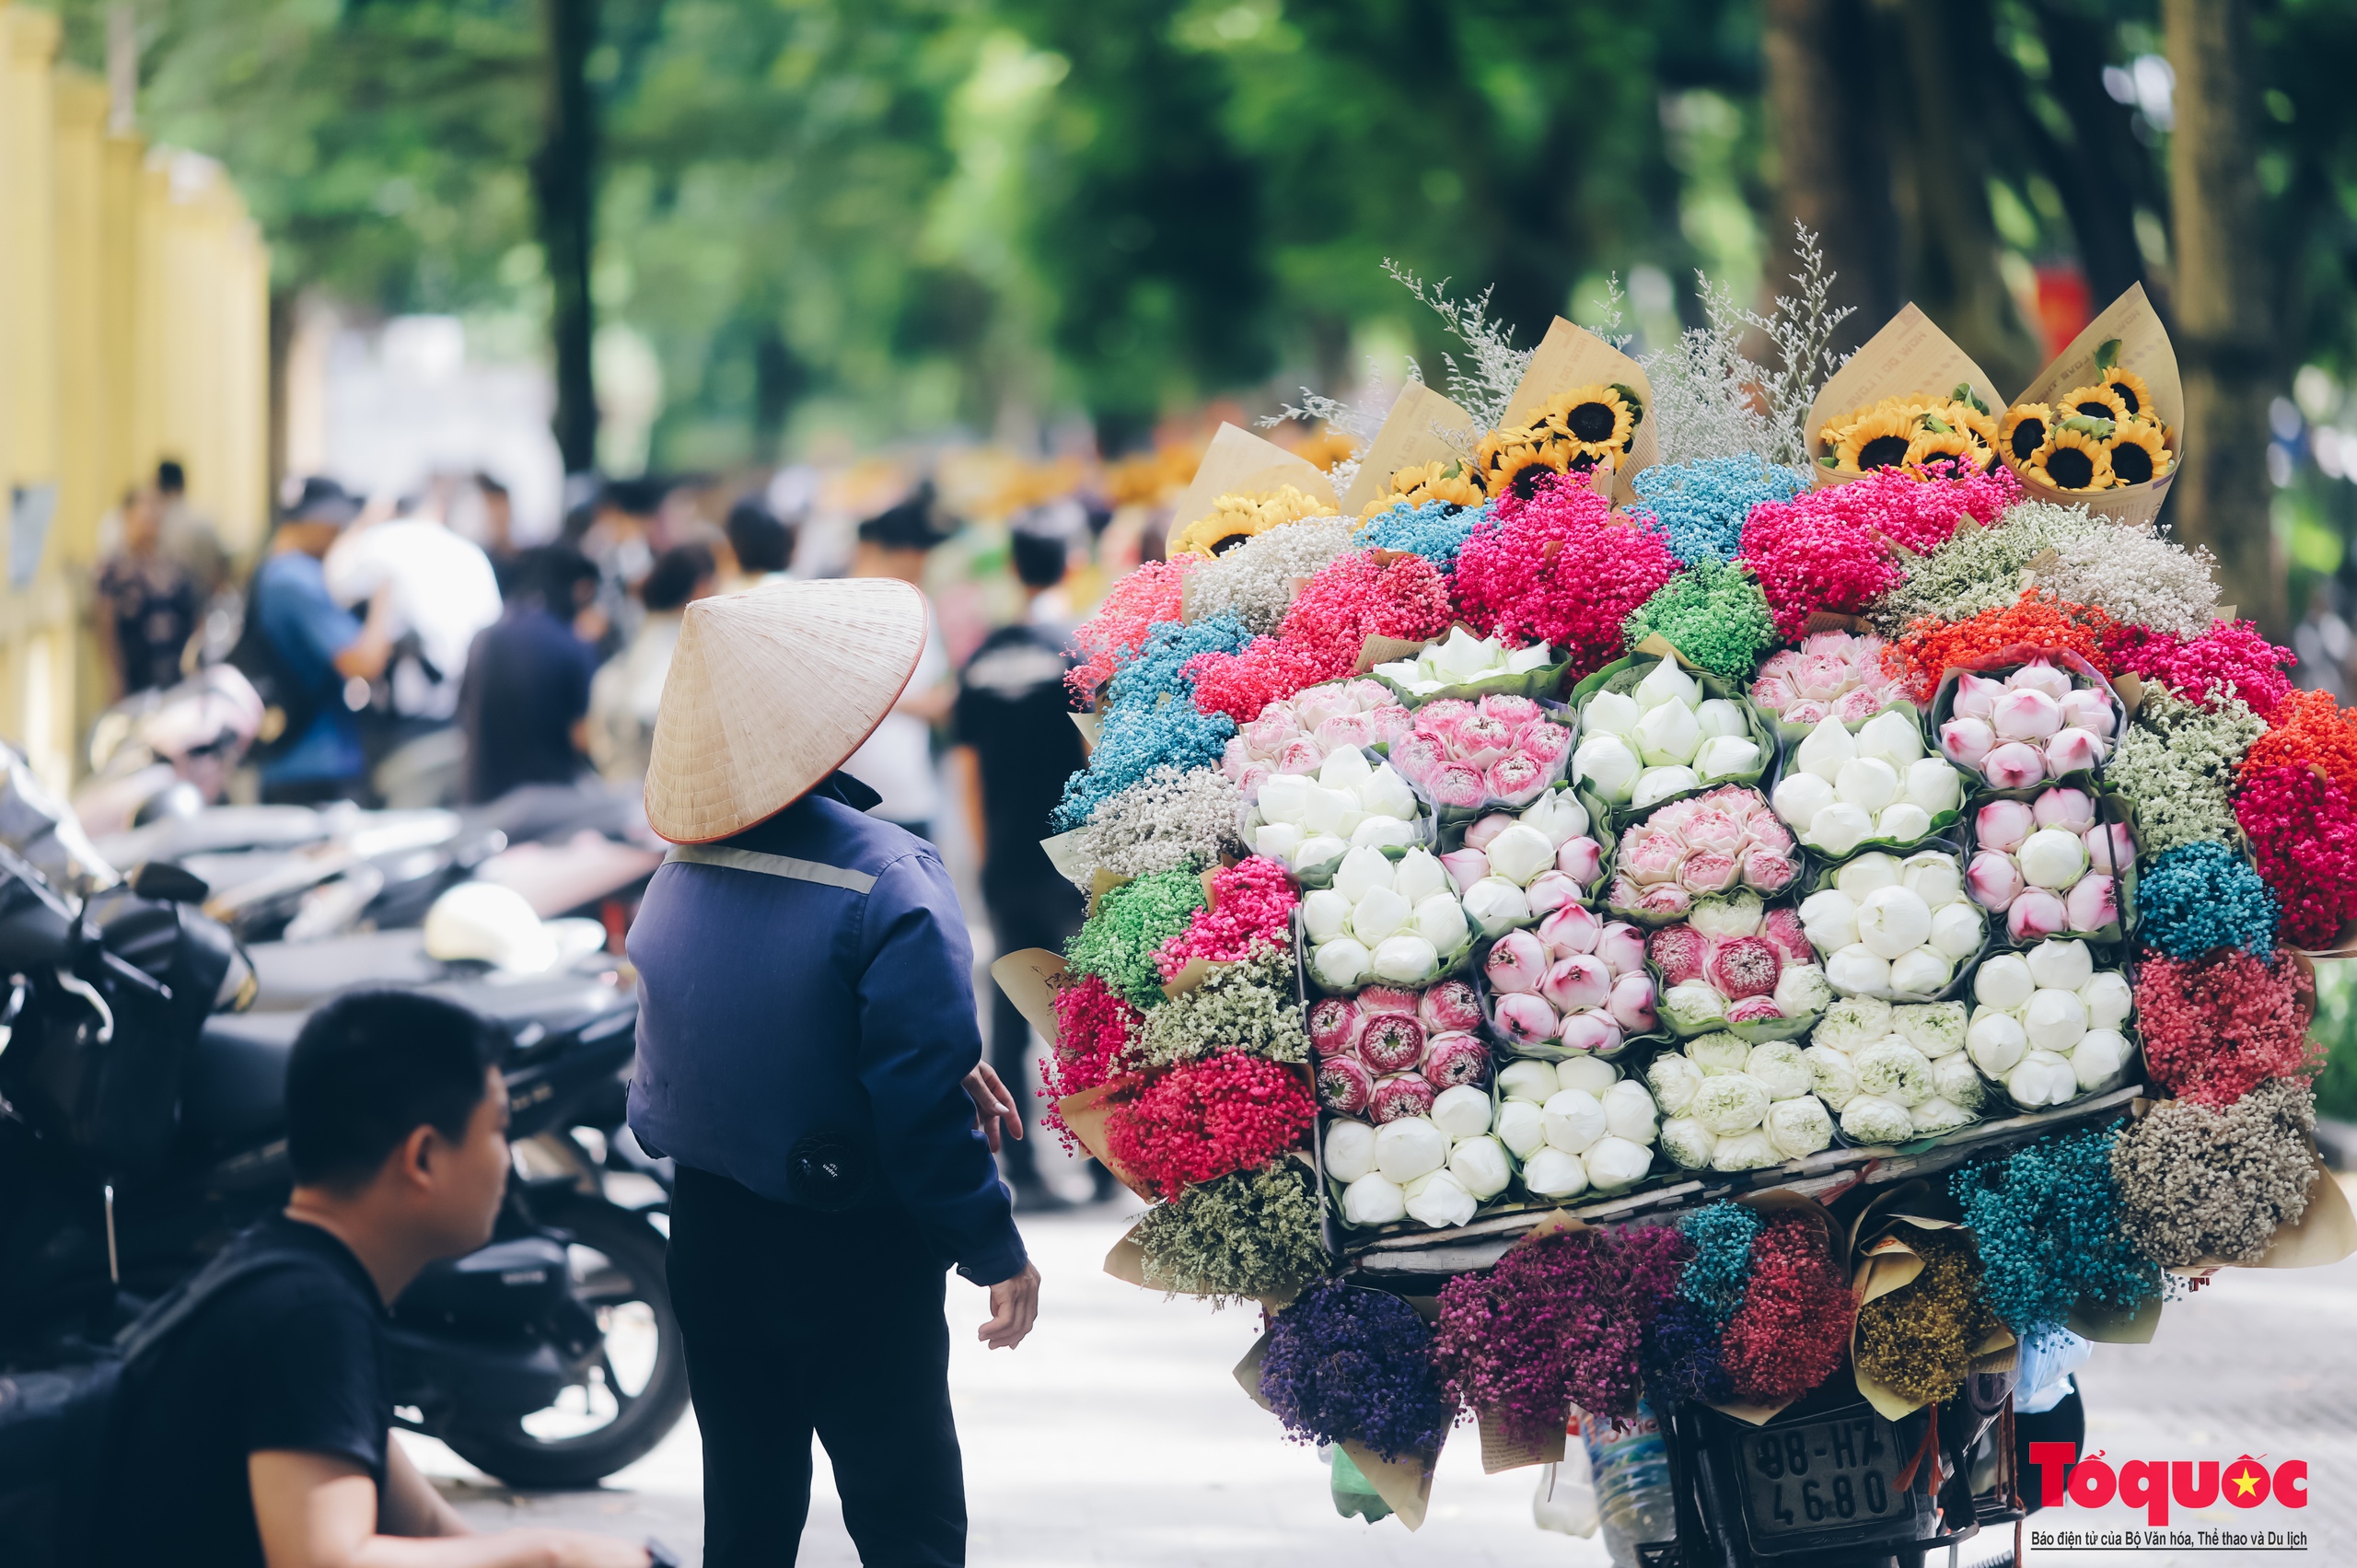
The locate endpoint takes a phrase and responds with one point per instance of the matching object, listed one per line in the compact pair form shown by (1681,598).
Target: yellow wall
(134,301)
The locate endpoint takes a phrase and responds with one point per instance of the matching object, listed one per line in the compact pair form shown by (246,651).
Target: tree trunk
(564,184)
(2221,496)
(282,302)
(2103,173)
(1834,175)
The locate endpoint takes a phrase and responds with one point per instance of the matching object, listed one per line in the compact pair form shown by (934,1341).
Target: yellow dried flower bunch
(1451,483)
(1912,433)
(2104,435)
(1235,518)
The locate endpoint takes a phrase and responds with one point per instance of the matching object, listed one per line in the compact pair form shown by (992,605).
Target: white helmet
(486,922)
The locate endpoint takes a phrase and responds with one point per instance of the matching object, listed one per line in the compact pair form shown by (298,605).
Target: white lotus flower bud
(1611,713)
(1419,875)
(1720,1053)
(1801,990)
(2098,1056)
(1668,735)
(1616,1162)
(1480,1167)
(1385,793)
(1935,785)
(1574,1119)
(1628,1111)
(1552,1173)
(1891,737)
(1868,874)
(1285,798)
(1729,1103)
(1839,829)
(2054,1020)
(1608,763)
(1379,914)
(1833,1076)
(1937,1116)
(1725,757)
(1688,1141)
(1442,1203)
(1957,1081)
(2052,858)
(1383,832)
(1522,1127)
(1362,870)
(1798,1128)
(1893,920)
(1406,959)
(2109,1000)
(1657,784)
(1331,812)
(1925,971)
(1857,968)
(1349,1150)
(1933,877)
(1902,821)
(1720,717)
(1895,1071)
(1673,1079)
(1829,916)
(1462,1111)
(1824,750)
(1345,769)
(1325,914)
(1440,920)
(2003,981)
(1341,963)
(1409,1147)
(1496,906)
(2042,1078)
(1958,930)
(1780,1069)
(1279,841)
(2057,965)
(1529,1079)
(1870,1119)
(1520,854)
(1318,852)
(1591,1073)
(1743,1151)
(1666,684)
(1374,1200)
(1996,1042)
(1799,797)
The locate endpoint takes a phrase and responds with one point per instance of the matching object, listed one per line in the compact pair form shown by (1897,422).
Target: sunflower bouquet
(2105,436)
(1574,432)
(1912,432)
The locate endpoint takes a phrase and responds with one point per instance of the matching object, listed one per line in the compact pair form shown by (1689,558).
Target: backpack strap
(183,1301)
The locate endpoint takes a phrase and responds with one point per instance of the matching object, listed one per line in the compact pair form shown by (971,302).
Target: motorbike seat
(236,1078)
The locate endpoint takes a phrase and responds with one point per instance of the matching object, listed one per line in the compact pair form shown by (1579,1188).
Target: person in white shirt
(896,762)
(443,593)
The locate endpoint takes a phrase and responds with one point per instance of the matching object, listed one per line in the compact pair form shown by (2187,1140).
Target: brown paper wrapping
(1029,978)
(1570,356)
(2144,348)
(2325,1233)
(1411,434)
(1500,1453)
(1405,1485)
(1086,1113)
(1240,463)
(1887,1262)
(1910,358)
(1063,853)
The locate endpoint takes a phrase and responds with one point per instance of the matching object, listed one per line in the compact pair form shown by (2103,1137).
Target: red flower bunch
(2216,1027)
(2309,727)
(2230,653)
(1560,568)
(1794,1325)
(1557,1322)
(1206,1118)
(1930,647)
(1093,1024)
(1147,597)
(1350,599)
(1815,551)
(2303,840)
(1251,908)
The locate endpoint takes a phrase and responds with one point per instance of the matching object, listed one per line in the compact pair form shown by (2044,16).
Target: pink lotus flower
(1746,966)
(1389,999)
(2039,675)
(1236,756)
(1460,785)
(2093,903)
(1544,740)
(1753,1010)
(1480,740)
(1967,740)
(1392,1042)
(1823,677)
(1368,693)
(2110,846)
(1516,779)
(1268,733)
(1632,1003)
(1621,946)
(1525,1019)
(1707,871)
(1766,871)
(1774,692)
(2090,710)
(1343,730)
(1516,963)
(1333,1026)
(1679,952)
(1344,1085)
(1442,718)
(1580,859)
(1785,661)
(1449,1007)
(2014,765)
(1858,704)
(1782,930)
(1455,1059)
(1596,1032)
(1508,710)
(1762,830)
(1993,880)
(2037,915)
(1465,867)
(1663,900)
(1623,894)
(1301,756)
(2004,824)
(2074,751)
(1319,703)
(1576,983)
(1249,784)
(1550,890)
(1976,697)
(1407,1095)
(1651,855)
(1485,828)
(2025,714)
(1417,755)
(1713,827)
(2072,809)
(1574,929)
(1808,711)
(1391,722)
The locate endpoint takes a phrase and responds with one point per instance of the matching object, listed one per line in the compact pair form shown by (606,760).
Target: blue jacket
(806,1021)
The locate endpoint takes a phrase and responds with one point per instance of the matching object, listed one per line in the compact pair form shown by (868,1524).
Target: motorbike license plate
(1822,1476)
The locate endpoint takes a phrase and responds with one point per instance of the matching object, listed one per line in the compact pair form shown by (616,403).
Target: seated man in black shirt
(258,1433)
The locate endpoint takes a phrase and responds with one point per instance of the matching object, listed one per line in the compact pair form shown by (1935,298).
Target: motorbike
(142,1125)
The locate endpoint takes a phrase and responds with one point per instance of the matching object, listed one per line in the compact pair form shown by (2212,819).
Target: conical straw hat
(769,693)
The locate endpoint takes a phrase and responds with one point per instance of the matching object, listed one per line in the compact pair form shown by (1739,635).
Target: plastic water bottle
(1632,1479)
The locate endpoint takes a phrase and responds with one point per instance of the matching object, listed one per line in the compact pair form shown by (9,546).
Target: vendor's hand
(994,1106)
(1015,1305)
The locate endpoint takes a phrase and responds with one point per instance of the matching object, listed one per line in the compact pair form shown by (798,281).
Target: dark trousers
(1029,913)
(795,1323)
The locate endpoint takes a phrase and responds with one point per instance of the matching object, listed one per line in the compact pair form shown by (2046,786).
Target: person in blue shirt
(809,1054)
(320,646)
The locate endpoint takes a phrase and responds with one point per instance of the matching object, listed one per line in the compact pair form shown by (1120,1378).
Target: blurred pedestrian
(809,1056)
(628,690)
(618,533)
(526,694)
(762,544)
(2322,643)
(305,652)
(147,603)
(1015,746)
(189,536)
(897,760)
(259,1428)
(499,531)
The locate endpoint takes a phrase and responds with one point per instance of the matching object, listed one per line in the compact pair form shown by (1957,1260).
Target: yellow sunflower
(1599,418)
(1428,482)
(2133,395)
(2097,401)
(1235,518)
(1880,440)
(1957,446)
(2074,461)
(2137,452)
(1982,425)
(1516,458)
(2024,430)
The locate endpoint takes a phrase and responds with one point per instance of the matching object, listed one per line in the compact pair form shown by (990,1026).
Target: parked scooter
(140,1128)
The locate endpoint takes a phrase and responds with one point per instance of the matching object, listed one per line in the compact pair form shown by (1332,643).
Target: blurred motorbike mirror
(163,881)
